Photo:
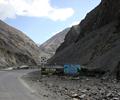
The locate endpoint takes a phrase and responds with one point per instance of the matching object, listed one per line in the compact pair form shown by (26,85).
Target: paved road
(12,88)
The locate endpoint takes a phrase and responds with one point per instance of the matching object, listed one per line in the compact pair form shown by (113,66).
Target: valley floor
(70,88)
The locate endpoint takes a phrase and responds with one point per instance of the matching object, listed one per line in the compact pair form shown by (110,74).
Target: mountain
(16,48)
(49,47)
(97,43)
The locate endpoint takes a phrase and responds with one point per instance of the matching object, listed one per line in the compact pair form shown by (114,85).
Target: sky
(41,19)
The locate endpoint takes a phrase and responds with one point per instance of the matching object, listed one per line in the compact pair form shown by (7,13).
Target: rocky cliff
(49,47)
(97,43)
(16,48)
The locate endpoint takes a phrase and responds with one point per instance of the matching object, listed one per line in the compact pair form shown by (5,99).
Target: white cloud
(33,8)
(61,14)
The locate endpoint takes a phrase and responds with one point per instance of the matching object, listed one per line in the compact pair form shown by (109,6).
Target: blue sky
(41,19)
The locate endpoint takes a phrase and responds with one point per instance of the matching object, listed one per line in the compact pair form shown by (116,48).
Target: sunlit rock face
(96,44)
(16,48)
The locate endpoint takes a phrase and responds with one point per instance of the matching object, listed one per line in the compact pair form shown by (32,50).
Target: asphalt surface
(13,88)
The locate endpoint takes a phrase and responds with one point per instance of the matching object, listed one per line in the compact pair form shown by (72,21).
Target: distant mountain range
(17,49)
(49,47)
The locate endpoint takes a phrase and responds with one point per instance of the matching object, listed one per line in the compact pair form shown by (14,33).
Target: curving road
(13,88)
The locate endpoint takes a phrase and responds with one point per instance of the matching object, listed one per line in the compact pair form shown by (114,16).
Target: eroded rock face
(98,44)
(16,48)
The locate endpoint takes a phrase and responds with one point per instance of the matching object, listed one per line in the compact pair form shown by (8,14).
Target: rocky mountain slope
(97,43)
(16,48)
(49,47)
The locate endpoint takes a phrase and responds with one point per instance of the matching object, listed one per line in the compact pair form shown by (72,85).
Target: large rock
(98,44)
(16,48)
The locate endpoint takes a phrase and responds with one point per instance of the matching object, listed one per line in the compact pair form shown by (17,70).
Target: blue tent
(72,69)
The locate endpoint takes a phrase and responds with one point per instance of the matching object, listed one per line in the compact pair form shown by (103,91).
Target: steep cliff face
(16,48)
(98,44)
(49,47)
(106,12)
(70,37)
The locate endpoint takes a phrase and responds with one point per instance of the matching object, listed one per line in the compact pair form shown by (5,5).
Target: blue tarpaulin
(72,69)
